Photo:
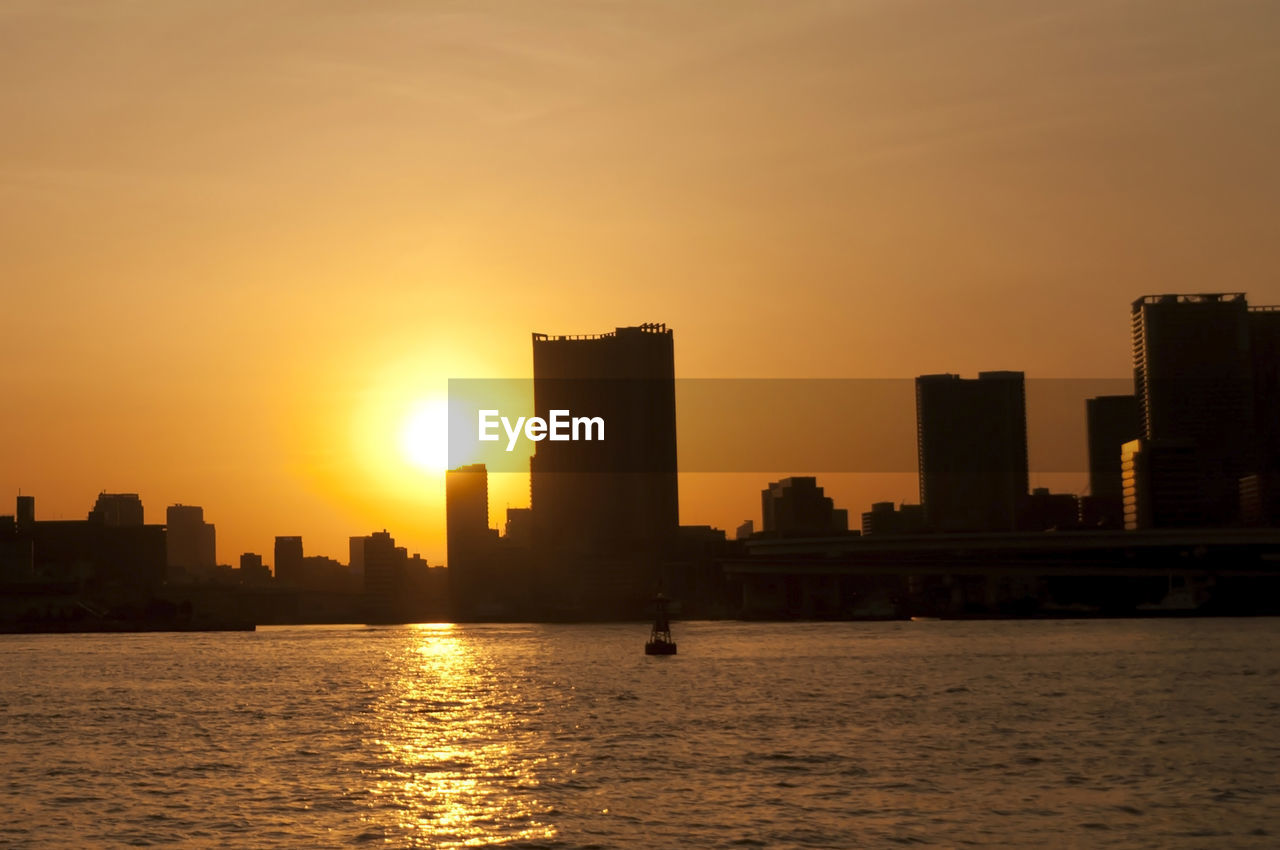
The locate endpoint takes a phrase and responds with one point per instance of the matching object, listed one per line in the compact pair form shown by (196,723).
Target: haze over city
(246,247)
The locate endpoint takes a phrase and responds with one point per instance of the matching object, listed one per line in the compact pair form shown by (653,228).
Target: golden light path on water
(1123,733)
(460,754)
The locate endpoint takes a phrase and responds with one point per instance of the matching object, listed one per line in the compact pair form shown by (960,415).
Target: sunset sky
(243,244)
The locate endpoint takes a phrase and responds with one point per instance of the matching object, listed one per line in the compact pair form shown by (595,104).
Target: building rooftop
(1196,298)
(647,327)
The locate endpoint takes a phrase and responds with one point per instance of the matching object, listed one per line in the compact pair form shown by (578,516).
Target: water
(1086,734)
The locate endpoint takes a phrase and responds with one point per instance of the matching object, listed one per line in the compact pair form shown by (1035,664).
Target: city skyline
(377,376)
(243,262)
(971,439)
(963,398)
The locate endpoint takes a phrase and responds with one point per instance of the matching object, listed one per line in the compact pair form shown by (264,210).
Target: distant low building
(325,574)
(798,507)
(699,539)
(399,588)
(116,510)
(883,518)
(518,530)
(1045,511)
(253,571)
(111,555)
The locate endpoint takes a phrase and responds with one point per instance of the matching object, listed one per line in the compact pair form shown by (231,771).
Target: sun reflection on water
(460,751)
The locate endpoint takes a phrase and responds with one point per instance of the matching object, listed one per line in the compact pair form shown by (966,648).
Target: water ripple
(1123,733)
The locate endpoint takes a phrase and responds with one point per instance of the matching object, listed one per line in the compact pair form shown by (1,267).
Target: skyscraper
(1193,379)
(469,538)
(288,554)
(971,440)
(617,495)
(190,542)
(1264,346)
(466,509)
(1112,421)
(1191,367)
(385,578)
(1260,490)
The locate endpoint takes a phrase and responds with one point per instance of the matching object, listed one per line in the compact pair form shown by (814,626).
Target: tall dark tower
(26,516)
(288,554)
(190,542)
(1260,490)
(972,449)
(470,540)
(616,496)
(1112,421)
(466,511)
(1193,379)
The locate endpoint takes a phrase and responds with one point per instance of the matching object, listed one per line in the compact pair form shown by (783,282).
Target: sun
(424,436)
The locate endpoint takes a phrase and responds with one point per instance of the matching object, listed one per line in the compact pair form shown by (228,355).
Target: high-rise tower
(1193,379)
(617,495)
(972,450)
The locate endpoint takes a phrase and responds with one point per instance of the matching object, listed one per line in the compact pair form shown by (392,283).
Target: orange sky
(241,241)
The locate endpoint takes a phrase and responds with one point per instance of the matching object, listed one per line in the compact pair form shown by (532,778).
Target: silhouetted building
(399,588)
(385,576)
(798,507)
(616,496)
(471,542)
(518,530)
(972,450)
(288,557)
(1163,484)
(356,556)
(190,542)
(427,591)
(1193,379)
(1260,489)
(26,514)
(117,509)
(252,570)
(109,557)
(1045,511)
(1112,421)
(695,540)
(883,518)
(127,558)
(467,510)
(745,530)
(323,574)
(16,561)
